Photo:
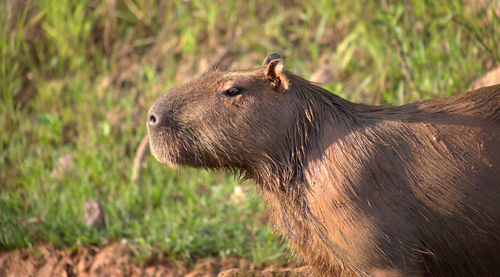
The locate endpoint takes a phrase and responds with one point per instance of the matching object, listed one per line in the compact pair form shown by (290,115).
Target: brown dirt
(117,259)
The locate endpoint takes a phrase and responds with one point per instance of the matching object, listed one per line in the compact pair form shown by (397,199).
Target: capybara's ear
(275,72)
(271,57)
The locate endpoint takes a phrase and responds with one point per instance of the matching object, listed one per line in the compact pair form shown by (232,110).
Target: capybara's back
(409,190)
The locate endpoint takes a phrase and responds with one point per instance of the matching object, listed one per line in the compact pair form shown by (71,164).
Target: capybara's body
(411,190)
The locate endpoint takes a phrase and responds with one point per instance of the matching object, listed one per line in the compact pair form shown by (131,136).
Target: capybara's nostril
(153,119)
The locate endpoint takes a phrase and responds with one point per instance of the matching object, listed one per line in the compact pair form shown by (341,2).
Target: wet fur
(368,190)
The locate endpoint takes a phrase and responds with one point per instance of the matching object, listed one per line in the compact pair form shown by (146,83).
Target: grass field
(77,79)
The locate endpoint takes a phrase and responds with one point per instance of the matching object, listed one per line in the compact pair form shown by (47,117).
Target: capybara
(410,190)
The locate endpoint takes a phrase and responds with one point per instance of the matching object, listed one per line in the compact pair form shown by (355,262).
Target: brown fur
(373,190)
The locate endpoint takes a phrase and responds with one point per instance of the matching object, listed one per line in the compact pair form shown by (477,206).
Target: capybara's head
(224,119)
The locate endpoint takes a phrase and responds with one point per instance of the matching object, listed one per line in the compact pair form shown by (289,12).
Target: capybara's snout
(159,116)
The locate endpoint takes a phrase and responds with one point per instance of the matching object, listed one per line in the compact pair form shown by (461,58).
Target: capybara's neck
(317,115)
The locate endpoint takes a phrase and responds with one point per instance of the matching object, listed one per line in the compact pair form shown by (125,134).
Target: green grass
(77,78)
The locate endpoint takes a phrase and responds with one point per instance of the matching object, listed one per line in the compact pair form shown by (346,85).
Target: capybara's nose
(153,119)
(160,115)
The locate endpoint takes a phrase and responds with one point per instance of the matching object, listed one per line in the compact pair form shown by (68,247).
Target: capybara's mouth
(168,148)
(159,146)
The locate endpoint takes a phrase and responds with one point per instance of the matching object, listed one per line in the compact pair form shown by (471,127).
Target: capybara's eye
(233,91)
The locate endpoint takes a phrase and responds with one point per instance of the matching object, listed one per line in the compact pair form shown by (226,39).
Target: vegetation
(77,79)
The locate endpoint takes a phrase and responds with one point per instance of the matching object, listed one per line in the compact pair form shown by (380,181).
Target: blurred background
(77,79)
